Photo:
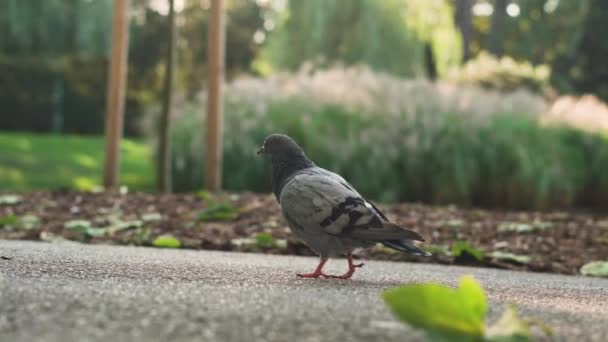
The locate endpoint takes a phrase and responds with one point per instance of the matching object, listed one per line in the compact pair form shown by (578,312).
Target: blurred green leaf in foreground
(459,314)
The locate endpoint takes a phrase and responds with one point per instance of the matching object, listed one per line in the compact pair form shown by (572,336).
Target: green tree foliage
(568,35)
(564,34)
(541,31)
(583,68)
(386,35)
(54,27)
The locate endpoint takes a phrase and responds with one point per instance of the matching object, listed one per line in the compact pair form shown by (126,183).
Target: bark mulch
(553,241)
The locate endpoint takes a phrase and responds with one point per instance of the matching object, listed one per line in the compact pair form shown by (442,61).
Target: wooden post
(163,169)
(115,98)
(213,148)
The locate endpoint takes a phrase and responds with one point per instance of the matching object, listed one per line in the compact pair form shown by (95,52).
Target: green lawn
(34,161)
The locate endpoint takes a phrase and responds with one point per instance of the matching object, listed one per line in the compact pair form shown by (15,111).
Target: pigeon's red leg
(318,272)
(350,272)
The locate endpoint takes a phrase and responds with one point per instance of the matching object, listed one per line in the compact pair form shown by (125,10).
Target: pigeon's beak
(261,150)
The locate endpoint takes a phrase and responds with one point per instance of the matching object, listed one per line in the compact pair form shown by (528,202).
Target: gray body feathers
(327,213)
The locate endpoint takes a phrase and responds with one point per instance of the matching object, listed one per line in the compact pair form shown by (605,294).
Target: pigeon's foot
(317,273)
(349,273)
(345,276)
(312,275)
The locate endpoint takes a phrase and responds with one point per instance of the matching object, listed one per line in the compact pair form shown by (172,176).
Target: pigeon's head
(280,145)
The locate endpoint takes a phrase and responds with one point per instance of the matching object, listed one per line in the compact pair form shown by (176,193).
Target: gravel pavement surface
(73,292)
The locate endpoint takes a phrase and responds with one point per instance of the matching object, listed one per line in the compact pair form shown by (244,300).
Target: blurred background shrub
(505,74)
(401,140)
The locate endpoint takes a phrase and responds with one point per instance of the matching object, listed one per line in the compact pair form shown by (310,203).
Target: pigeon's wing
(316,199)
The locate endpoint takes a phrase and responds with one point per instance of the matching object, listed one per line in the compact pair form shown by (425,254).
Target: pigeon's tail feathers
(388,231)
(406,246)
(405,234)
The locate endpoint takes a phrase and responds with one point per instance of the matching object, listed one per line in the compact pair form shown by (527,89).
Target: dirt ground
(555,241)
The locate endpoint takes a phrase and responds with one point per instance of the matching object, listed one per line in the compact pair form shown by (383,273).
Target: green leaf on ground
(264,240)
(506,256)
(452,314)
(515,227)
(219,212)
(151,217)
(205,195)
(10,199)
(8,221)
(260,240)
(280,243)
(50,237)
(461,247)
(96,232)
(455,223)
(521,227)
(243,242)
(595,269)
(80,225)
(118,225)
(28,222)
(86,228)
(25,222)
(167,241)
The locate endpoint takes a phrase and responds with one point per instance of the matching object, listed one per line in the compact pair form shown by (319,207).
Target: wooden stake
(163,169)
(115,100)
(213,148)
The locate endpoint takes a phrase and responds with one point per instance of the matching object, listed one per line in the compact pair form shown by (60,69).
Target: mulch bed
(557,241)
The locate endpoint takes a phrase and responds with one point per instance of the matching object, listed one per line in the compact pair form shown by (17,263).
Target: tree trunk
(213,139)
(497,28)
(464,21)
(115,98)
(163,171)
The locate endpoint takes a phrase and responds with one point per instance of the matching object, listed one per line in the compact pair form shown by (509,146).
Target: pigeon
(326,212)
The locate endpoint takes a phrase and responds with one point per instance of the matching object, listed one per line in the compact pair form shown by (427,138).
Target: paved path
(72,292)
